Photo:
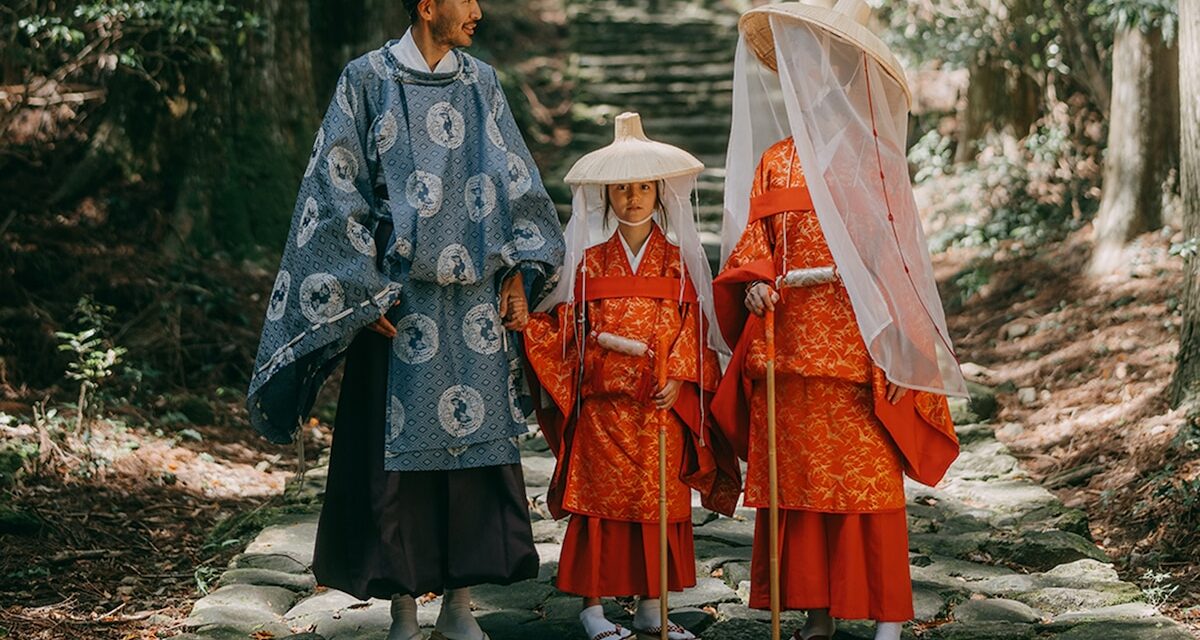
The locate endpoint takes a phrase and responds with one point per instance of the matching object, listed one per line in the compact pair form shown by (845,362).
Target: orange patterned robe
(603,427)
(842,447)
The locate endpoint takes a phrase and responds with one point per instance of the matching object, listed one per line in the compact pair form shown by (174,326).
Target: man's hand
(895,392)
(665,397)
(514,309)
(760,298)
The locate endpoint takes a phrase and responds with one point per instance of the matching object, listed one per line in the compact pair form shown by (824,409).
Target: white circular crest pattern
(508,253)
(527,235)
(470,74)
(308,222)
(480,196)
(519,179)
(347,101)
(423,190)
(385,139)
(460,410)
(320,297)
(396,419)
(360,237)
(445,125)
(481,329)
(377,63)
(493,131)
(514,398)
(279,296)
(343,168)
(281,359)
(318,147)
(455,266)
(404,248)
(416,339)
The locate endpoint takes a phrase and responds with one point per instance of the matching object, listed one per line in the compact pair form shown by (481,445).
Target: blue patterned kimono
(465,207)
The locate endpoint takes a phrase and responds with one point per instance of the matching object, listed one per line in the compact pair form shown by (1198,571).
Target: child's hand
(665,397)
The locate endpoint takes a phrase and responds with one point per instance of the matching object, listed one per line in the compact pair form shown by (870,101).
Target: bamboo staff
(664,346)
(772,473)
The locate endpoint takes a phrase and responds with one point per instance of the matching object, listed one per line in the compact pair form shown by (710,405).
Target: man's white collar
(409,55)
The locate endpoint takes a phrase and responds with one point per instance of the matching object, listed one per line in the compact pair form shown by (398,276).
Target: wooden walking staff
(660,370)
(772,473)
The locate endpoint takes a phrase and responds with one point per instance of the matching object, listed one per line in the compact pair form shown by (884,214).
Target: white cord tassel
(797,278)
(620,344)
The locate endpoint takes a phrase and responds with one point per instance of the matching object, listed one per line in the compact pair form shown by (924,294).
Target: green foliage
(1027,190)
(204,576)
(1146,15)
(933,155)
(1186,249)
(1028,34)
(95,357)
(154,40)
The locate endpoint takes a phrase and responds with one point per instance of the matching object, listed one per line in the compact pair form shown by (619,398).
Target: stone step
(701,43)
(682,72)
(695,144)
(620,60)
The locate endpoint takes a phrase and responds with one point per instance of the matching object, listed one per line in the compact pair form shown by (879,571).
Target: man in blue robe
(422,227)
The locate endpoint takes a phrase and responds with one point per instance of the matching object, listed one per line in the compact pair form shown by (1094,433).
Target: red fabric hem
(607,558)
(856,565)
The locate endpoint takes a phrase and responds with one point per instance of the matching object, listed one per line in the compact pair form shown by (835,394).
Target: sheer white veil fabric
(848,119)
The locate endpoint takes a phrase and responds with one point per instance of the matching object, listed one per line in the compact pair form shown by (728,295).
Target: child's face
(633,202)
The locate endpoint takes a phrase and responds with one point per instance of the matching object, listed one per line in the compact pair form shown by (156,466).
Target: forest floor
(119,546)
(1082,368)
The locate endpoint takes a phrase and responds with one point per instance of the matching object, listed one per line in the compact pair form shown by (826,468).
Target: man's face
(453,22)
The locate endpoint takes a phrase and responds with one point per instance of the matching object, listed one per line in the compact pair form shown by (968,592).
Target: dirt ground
(123,554)
(1083,366)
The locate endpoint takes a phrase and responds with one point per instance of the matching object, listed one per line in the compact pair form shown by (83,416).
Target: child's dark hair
(658,204)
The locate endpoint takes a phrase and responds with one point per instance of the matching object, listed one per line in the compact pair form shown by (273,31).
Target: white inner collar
(635,259)
(409,55)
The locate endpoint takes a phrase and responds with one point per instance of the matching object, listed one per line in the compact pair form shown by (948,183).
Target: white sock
(455,620)
(404,619)
(649,616)
(819,623)
(888,630)
(594,622)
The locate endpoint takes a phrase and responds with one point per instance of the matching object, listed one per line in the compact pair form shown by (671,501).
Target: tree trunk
(1187,374)
(345,29)
(1143,143)
(1001,97)
(246,143)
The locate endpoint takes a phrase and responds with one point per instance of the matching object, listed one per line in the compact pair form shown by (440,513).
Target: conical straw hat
(632,157)
(846,21)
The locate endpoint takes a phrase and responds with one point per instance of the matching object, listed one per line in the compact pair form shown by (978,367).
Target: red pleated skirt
(854,564)
(605,558)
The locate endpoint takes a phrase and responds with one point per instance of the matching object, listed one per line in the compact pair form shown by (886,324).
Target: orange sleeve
(550,348)
(684,362)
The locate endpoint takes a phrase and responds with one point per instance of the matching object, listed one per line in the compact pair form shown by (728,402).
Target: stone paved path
(994,557)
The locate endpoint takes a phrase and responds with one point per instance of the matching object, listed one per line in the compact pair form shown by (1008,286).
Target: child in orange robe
(596,361)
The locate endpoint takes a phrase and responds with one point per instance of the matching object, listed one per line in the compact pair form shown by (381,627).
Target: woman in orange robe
(845,434)
(607,409)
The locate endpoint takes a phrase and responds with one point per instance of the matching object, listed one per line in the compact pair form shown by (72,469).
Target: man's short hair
(411,7)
